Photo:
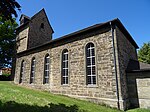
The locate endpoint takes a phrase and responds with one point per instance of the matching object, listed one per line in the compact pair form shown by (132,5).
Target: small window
(42,25)
(64,77)
(32,74)
(46,69)
(21,71)
(90,64)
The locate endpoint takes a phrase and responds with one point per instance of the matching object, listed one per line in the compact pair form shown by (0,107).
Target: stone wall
(105,89)
(139,89)
(38,33)
(124,52)
(21,39)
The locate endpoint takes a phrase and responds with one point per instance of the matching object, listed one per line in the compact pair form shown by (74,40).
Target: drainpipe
(114,53)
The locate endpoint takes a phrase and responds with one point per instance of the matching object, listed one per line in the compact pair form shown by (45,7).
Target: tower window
(42,25)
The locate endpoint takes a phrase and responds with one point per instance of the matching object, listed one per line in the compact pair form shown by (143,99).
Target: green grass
(139,110)
(14,98)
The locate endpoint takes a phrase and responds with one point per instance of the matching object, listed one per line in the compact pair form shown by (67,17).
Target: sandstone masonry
(113,49)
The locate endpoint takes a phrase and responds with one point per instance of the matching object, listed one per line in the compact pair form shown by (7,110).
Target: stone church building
(92,63)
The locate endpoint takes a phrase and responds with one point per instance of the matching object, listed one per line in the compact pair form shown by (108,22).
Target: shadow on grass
(13,106)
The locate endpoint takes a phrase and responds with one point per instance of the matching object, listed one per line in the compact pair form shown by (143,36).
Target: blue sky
(67,16)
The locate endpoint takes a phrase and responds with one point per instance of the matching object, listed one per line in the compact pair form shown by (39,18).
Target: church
(98,63)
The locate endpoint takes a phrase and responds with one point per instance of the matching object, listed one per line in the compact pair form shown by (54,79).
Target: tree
(144,53)
(8,8)
(7,42)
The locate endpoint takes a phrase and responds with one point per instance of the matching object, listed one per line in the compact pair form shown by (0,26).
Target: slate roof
(136,66)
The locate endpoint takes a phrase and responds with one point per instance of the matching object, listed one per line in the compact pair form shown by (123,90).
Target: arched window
(64,74)
(90,64)
(32,74)
(46,69)
(21,71)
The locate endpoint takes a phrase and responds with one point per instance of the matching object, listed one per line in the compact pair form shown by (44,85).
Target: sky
(68,16)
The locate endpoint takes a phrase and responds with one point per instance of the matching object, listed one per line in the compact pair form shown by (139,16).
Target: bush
(6,74)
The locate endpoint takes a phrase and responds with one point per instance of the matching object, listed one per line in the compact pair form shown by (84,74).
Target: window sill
(91,86)
(46,84)
(64,85)
(31,83)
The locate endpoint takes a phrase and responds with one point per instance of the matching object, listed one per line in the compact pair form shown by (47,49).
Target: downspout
(114,53)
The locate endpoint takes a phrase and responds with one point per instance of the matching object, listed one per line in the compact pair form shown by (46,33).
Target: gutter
(114,53)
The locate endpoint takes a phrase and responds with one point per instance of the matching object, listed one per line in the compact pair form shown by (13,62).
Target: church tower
(33,31)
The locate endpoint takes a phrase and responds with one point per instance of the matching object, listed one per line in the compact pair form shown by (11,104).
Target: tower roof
(30,19)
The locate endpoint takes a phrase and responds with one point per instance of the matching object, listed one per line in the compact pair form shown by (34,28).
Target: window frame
(22,71)
(46,70)
(91,57)
(32,73)
(65,67)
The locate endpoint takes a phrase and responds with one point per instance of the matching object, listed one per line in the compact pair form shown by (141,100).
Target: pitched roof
(22,15)
(136,66)
(144,65)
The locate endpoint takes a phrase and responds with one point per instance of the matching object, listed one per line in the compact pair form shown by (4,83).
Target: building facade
(88,64)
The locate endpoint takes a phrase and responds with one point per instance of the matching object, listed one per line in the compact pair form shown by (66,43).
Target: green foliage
(6,75)
(7,42)
(8,8)
(144,53)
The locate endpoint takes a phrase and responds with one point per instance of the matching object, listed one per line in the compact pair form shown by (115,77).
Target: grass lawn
(19,99)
